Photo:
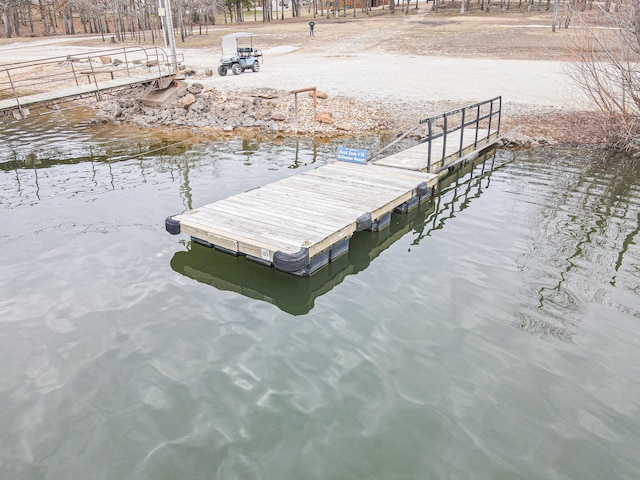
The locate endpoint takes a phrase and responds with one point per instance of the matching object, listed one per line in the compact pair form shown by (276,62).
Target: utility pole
(164,10)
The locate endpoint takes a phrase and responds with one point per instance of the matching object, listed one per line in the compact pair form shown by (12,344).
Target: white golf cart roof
(231,40)
(238,35)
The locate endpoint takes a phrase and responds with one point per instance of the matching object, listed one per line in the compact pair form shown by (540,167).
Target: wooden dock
(302,223)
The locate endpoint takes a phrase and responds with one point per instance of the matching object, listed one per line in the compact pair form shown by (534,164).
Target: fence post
(73,70)
(499,112)
(126,61)
(464,110)
(477,123)
(15,94)
(490,118)
(429,147)
(444,140)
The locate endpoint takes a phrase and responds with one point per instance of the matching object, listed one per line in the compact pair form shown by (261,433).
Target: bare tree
(6,19)
(607,70)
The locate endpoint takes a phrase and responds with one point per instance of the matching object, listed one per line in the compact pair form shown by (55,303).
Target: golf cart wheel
(222,70)
(236,69)
(256,66)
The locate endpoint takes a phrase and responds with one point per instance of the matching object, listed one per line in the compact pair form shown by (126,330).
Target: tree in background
(607,70)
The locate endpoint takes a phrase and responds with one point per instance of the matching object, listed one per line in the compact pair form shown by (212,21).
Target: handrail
(37,76)
(452,121)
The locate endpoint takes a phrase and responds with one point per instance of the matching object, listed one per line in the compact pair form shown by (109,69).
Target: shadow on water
(297,295)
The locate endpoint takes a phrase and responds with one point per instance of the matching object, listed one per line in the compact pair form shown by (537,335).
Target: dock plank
(314,209)
(310,218)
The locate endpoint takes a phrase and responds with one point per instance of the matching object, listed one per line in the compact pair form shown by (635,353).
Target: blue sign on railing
(354,155)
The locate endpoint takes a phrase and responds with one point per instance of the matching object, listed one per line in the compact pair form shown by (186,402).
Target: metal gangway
(39,83)
(447,139)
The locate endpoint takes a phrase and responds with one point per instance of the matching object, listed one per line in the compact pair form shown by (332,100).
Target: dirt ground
(413,65)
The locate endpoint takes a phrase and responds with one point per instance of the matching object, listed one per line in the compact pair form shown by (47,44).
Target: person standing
(311,25)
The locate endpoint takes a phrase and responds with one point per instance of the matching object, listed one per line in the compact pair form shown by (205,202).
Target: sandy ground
(414,64)
(403,79)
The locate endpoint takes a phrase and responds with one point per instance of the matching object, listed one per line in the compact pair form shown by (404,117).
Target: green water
(492,334)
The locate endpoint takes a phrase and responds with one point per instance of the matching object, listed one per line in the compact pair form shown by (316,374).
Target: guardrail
(460,121)
(484,117)
(39,76)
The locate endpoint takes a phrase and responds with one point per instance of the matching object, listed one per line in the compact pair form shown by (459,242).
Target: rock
(516,140)
(117,62)
(319,94)
(126,103)
(324,117)
(342,126)
(228,128)
(187,100)
(105,60)
(195,89)
(208,72)
(277,116)
(267,93)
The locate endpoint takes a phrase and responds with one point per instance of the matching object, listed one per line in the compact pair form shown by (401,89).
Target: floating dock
(301,223)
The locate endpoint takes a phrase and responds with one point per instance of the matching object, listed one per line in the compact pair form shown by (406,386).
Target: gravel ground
(429,86)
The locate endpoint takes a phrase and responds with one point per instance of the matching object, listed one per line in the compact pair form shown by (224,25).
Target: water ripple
(493,335)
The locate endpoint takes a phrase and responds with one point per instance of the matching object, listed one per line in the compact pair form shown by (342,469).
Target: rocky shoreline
(270,112)
(265,110)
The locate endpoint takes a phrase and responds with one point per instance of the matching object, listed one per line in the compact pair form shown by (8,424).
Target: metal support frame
(15,94)
(301,90)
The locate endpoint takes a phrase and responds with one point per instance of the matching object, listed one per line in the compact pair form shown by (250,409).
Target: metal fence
(56,73)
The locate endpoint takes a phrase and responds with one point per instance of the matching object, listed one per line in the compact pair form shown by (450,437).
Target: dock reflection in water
(297,295)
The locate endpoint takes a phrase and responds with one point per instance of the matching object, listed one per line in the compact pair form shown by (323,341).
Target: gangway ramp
(51,80)
(26,101)
(441,154)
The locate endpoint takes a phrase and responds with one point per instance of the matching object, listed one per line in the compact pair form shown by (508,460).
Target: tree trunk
(16,23)
(556,7)
(30,18)
(569,13)
(43,16)
(7,23)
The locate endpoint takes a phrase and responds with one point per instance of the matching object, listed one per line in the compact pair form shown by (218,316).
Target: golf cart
(238,54)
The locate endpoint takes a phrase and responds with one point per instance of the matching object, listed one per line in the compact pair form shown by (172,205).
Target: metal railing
(460,121)
(479,116)
(46,75)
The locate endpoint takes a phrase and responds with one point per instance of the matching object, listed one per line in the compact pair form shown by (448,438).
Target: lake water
(492,334)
